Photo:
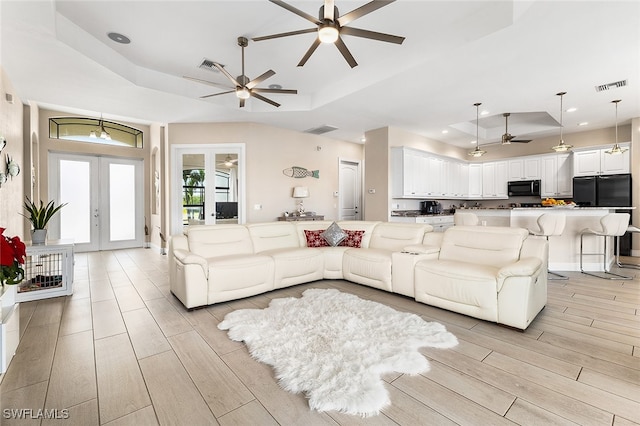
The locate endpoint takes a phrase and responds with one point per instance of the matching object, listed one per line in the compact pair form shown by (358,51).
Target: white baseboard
(635,253)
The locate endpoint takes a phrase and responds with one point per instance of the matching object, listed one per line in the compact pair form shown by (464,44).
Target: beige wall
(270,150)
(12,191)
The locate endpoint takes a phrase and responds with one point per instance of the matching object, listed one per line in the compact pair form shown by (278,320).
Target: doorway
(104,196)
(350,193)
(207,185)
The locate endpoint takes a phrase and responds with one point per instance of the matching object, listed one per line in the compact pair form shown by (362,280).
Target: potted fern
(39,216)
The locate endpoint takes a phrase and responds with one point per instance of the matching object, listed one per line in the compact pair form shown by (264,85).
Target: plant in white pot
(39,216)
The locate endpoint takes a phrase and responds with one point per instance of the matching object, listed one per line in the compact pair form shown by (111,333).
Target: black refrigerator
(605,191)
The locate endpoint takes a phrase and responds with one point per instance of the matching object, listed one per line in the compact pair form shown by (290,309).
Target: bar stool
(631,229)
(613,225)
(464,218)
(550,225)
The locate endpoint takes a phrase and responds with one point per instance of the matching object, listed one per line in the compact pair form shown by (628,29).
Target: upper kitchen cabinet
(525,168)
(408,171)
(475,181)
(598,162)
(557,176)
(494,179)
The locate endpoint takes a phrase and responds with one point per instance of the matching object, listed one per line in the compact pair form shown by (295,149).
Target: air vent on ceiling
(610,86)
(325,128)
(207,64)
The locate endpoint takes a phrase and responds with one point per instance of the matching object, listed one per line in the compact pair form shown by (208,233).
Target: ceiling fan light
(328,34)
(243,93)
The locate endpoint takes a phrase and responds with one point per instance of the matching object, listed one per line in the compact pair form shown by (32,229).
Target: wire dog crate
(48,271)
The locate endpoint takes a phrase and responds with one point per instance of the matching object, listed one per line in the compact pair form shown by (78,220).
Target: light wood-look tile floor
(123,351)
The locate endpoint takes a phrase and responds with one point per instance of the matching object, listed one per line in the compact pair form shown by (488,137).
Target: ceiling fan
(507,138)
(244,88)
(228,162)
(331,26)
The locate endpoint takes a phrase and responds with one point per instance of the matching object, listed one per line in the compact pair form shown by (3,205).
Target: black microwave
(524,187)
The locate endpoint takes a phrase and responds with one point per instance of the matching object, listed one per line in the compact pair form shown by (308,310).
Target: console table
(300,218)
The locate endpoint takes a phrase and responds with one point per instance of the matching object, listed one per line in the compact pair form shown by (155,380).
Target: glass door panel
(122,202)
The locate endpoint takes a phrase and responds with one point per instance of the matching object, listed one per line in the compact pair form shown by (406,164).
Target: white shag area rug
(335,346)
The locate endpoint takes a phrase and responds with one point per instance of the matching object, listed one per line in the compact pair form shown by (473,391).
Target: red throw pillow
(354,239)
(315,239)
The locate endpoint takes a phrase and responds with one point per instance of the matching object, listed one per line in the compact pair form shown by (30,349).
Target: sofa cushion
(370,267)
(219,240)
(334,234)
(314,238)
(273,235)
(395,236)
(296,265)
(491,245)
(239,272)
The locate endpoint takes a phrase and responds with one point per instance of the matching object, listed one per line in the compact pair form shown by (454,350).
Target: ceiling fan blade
(357,32)
(345,52)
(281,91)
(307,55)
(290,33)
(329,10)
(260,79)
(297,11)
(216,94)
(520,140)
(362,10)
(226,73)
(210,83)
(263,99)
(242,103)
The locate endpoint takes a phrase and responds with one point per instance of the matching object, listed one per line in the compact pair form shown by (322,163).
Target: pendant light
(477,152)
(561,147)
(103,133)
(617,149)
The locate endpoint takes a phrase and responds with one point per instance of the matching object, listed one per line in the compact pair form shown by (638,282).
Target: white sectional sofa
(486,272)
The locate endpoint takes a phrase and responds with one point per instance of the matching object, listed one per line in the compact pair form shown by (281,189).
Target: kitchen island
(564,250)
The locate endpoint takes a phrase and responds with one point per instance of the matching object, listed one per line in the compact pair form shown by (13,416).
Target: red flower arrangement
(12,256)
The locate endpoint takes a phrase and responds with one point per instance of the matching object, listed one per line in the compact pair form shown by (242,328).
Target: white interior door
(104,197)
(350,194)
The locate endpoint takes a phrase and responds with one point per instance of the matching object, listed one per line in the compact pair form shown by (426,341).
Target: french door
(104,197)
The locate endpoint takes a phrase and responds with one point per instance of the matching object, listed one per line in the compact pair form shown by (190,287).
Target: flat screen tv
(226,209)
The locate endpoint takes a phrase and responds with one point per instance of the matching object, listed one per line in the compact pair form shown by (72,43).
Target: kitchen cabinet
(475,181)
(407,173)
(525,168)
(435,180)
(557,176)
(494,179)
(598,162)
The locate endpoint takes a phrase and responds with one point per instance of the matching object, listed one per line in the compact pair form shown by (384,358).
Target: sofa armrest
(187,258)
(527,267)
(421,249)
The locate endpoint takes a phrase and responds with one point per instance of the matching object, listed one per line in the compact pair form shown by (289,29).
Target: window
(94,130)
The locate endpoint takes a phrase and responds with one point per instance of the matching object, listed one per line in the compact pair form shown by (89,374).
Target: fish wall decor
(301,172)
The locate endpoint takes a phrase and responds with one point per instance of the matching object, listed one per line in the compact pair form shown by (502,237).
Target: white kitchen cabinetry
(475,181)
(525,168)
(407,170)
(598,162)
(494,179)
(557,176)
(439,223)
(435,179)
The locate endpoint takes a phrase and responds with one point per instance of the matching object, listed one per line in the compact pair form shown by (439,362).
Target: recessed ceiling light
(119,38)
(485,112)
(473,141)
(363,139)
(572,109)
(584,123)
(445,132)
(275,86)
